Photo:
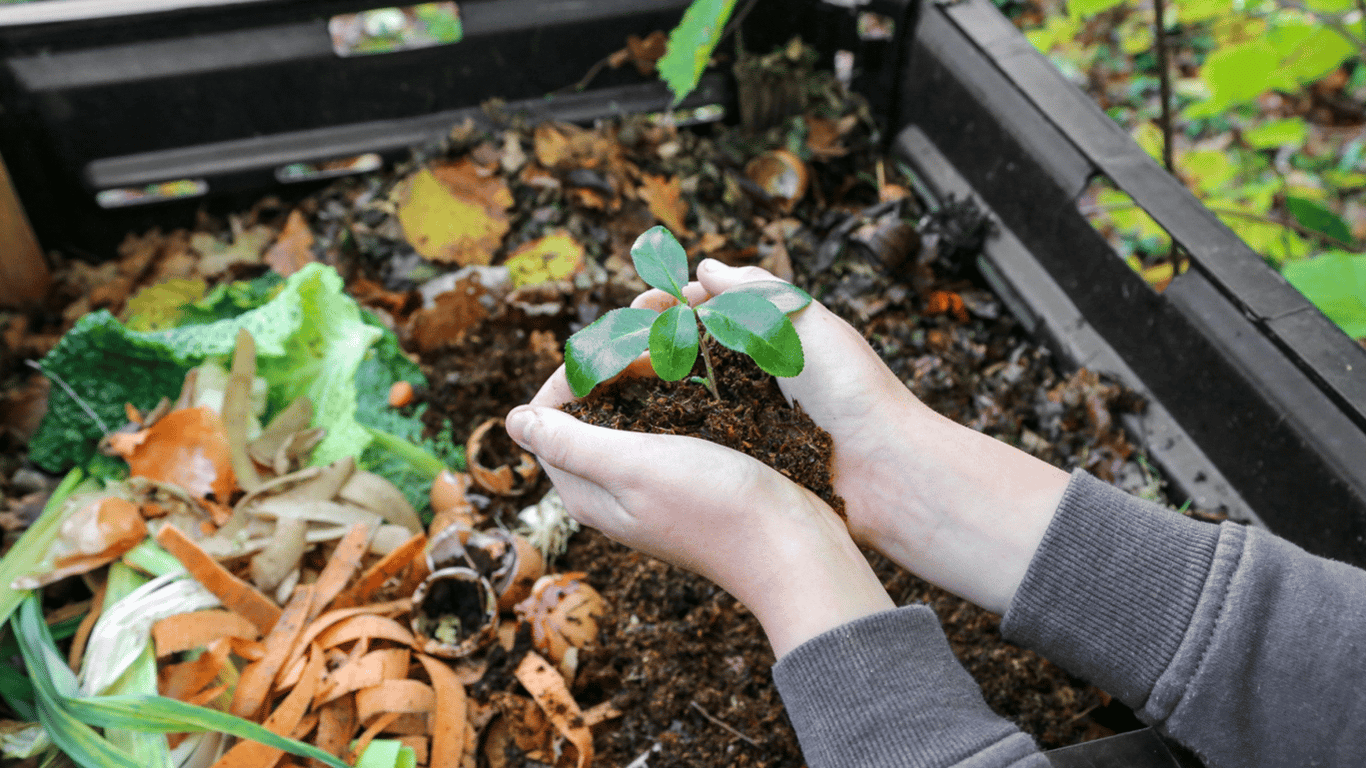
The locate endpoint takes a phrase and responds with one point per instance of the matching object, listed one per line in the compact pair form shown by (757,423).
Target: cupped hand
(960,509)
(775,546)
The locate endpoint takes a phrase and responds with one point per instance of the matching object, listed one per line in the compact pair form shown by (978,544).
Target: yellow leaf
(158,307)
(553,257)
(454,213)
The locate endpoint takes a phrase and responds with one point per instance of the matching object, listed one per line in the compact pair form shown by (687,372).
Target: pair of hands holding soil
(956,507)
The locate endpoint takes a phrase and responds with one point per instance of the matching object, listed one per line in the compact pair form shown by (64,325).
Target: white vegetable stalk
(125,628)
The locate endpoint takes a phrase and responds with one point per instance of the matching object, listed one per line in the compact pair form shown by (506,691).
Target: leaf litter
(456,278)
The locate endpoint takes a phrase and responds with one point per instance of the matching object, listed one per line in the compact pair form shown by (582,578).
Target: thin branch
(1164,81)
(104,429)
(723,724)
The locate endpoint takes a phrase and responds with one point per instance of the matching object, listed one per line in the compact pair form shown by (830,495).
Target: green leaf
(1209,169)
(691,44)
(1274,134)
(787,297)
(661,261)
(604,349)
(1320,219)
(751,324)
(1085,9)
(17,692)
(140,679)
(1336,284)
(387,753)
(673,342)
(1236,74)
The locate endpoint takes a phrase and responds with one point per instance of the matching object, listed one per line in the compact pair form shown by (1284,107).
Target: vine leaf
(750,324)
(661,261)
(673,342)
(691,44)
(604,349)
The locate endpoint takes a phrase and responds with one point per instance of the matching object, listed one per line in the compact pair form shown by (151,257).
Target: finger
(716,277)
(555,391)
(598,454)
(659,301)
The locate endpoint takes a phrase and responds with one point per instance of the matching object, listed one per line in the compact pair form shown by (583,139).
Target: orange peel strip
(251,650)
(84,629)
(548,689)
(369,735)
(344,563)
(401,696)
(179,681)
(337,724)
(321,624)
(371,669)
(253,687)
(448,721)
(388,567)
(253,754)
(365,625)
(197,629)
(207,695)
(237,595)
(600,713)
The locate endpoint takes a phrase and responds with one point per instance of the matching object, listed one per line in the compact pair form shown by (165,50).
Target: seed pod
(455,613)
(496,474)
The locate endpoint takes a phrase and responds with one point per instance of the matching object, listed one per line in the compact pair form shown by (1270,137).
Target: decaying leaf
(664,195)
(454,212)
(556,256)
(293,250)
(451,314)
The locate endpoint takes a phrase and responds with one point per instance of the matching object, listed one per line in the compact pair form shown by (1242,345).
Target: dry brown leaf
(664,195)
(646,51)
(454,213)
(453,313)
(293,250)
(823,135)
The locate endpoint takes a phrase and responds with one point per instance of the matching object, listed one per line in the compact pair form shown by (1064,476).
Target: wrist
(958,508)
(812,580)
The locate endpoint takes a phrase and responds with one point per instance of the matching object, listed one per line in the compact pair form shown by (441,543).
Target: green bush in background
(1269,125)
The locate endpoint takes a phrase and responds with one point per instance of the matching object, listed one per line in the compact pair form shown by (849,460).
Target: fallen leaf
(452,313)
(217,255)
(665,197)
(823,135)
(293,250)
(556,256)
(454,213)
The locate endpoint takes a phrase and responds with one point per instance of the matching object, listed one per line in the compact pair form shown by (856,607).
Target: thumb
(716,277)
(564,442)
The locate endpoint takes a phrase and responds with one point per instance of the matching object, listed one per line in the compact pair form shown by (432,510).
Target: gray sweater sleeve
(1234,642)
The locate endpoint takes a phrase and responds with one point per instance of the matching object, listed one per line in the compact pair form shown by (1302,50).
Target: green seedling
(751,319)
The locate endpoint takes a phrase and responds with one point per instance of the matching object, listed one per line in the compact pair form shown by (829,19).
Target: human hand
(775,546)
(958,508)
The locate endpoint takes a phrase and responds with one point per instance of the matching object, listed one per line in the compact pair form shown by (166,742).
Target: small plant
(750,318)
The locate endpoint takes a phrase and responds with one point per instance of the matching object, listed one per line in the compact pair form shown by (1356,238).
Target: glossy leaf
(1320,219)
(1336,283)
(691,44)
(673,342)
(604,349)
(787,297)
(660,260)
(751,324)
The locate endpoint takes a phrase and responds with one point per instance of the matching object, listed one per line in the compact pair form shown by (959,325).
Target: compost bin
(122,116)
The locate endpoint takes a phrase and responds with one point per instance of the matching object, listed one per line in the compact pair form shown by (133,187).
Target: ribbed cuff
(886,690)
(1111,590)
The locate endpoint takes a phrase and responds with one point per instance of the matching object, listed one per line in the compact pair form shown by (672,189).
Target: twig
(723,724)
(95,417)
(643,760)
(1164,81)
(739,18)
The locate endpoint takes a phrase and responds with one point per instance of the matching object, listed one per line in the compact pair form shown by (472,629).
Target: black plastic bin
(1257,403)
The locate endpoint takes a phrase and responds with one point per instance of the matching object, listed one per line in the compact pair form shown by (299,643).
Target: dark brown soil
(752,417)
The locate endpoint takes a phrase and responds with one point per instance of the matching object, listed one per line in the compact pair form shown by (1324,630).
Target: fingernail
(708,265)
(520,425)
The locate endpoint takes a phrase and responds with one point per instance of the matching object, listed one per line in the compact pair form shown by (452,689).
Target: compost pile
(272,397)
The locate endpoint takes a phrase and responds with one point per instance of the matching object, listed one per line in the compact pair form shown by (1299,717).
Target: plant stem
(710,381)
(1164,81)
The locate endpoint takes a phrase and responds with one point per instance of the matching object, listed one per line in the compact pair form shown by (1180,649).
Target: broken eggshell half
(563,612)
(497,464)
(509,562)
(455,613)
